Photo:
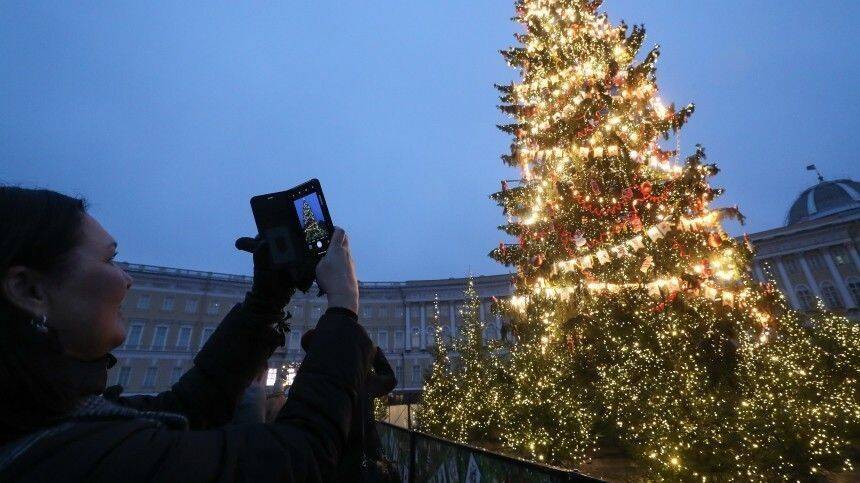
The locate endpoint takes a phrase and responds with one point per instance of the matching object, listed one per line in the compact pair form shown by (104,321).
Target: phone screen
(296,222)
(315,225)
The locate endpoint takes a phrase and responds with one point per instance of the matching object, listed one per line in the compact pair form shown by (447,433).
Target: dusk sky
(169,116)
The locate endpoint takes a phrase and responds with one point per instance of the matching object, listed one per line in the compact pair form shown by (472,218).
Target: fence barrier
(422,457)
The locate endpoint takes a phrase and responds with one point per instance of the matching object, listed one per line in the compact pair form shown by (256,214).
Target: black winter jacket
(132,439)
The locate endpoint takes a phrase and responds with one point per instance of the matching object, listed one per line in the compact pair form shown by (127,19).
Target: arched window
(804,298)
(831,296)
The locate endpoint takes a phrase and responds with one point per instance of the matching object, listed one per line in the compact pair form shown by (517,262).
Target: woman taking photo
(60,298)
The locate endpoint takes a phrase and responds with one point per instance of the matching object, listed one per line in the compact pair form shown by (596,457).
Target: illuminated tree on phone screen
(313,230)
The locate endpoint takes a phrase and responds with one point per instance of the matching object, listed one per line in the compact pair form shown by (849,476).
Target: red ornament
(715,240)
(679,248)
(627,194)
(636,222)
(645,188)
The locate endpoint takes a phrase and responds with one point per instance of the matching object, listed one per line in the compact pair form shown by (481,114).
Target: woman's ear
(24,288)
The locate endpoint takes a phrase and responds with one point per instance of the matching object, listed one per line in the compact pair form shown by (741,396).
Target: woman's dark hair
(38,229)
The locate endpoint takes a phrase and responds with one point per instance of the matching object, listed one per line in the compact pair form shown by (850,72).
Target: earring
(40,323)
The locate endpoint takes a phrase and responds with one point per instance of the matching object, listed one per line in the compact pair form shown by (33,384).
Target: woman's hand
(336,273)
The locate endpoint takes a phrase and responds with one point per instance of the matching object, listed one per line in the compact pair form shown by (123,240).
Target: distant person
(60,297)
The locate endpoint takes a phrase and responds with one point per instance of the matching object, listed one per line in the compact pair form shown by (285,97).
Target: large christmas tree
(637,326)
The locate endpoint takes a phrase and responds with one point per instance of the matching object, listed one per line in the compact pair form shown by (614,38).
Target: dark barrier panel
(425,458)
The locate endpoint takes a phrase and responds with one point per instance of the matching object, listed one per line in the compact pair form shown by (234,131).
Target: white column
(408,342)
(837,279)
(787,283)
(759,274)
(809,278)
(423,325)
(452,325)
(853,251)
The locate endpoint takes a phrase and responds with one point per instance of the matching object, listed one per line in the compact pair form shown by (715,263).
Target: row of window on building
(150,377)
(134,339)
(386,339)
(144,302)
(381,311)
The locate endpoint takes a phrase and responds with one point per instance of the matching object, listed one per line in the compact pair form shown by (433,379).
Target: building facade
(170,312)
(814,257)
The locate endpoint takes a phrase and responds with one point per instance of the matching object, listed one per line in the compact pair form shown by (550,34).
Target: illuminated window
(271,376)
(290,376)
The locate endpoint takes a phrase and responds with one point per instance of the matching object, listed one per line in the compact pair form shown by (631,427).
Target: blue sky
(169,116)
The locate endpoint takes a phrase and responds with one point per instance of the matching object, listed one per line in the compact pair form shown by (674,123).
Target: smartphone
(296,223)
